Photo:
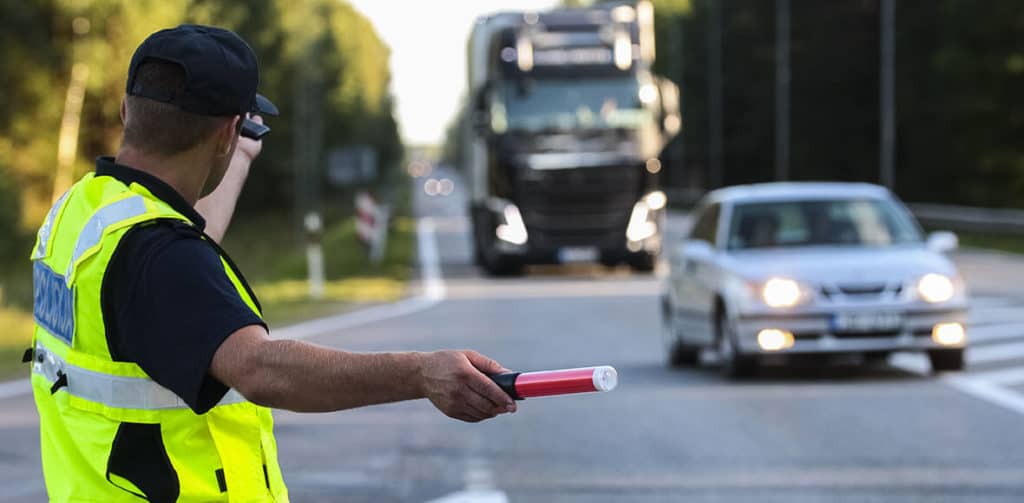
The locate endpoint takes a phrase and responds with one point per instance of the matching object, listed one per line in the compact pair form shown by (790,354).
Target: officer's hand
(247,148)
(455,383)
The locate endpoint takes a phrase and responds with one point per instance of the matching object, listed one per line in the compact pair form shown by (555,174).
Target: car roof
(777,191)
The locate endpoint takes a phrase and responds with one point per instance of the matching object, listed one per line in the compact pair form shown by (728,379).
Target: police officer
(153,372)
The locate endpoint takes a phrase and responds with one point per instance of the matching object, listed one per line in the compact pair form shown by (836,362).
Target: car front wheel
(733,364)
(944,360)
(679,354)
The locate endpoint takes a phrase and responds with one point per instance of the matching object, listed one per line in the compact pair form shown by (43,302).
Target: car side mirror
(697,249)
(943,242)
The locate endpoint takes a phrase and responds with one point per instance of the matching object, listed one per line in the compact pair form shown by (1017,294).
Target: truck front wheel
(642,262)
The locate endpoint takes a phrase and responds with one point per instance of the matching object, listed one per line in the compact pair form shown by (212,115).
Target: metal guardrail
(968,218)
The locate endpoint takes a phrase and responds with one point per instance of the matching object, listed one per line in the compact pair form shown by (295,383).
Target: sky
(428,56)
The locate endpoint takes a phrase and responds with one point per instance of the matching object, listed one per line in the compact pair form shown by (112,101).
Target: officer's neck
(186,172)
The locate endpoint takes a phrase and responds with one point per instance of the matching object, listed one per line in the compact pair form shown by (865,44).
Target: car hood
(819,265)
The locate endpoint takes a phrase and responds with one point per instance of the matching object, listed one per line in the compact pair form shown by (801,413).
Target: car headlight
(935,288)
(781,292)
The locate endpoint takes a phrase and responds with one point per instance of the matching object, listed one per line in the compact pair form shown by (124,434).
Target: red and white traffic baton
(520,385)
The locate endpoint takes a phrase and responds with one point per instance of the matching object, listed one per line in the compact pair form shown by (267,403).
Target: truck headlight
(782,292)
(656,200)
(643,220)
(513,229)
(935,288)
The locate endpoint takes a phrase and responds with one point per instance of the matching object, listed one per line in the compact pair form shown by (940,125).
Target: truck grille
(579,207)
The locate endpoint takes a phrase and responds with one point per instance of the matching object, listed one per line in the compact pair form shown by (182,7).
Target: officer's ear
(227,135)
(124,110)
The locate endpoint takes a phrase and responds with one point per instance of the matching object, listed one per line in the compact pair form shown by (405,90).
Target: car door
(694,272)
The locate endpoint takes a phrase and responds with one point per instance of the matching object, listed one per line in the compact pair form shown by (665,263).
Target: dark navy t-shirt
(167,302)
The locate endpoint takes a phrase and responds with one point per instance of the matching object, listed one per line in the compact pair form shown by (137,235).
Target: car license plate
(577,254)
(866,322)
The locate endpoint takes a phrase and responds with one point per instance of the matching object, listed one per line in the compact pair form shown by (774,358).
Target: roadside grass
(15,338)
(271,254)
(15,314)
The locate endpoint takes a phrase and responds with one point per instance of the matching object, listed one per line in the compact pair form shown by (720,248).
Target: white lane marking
(987,390)
(994,353)
(995,332)
(479,485)
(1009,376)
(987,386)
(473,497)
(430,260)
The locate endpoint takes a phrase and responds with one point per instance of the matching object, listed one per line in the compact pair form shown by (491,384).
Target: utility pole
(782,80)
(887,99)
(716,177)
(308,145)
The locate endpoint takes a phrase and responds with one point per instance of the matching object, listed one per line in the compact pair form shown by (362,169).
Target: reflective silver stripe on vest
(106,216)
(113,391)
(44,231)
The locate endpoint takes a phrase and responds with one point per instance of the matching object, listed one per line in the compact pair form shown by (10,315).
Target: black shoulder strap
(189,229)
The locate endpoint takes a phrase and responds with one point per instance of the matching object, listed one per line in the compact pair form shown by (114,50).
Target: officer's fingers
(481,406)
(498,400)
(256,118)
(483,363)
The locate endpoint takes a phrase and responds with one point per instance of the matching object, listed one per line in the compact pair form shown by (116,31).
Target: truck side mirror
(481,121)
(480,115)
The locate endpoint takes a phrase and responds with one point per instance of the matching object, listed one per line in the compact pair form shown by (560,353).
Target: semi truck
(561,136)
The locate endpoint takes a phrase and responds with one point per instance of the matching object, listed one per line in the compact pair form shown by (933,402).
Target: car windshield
(542,104)
(846,222)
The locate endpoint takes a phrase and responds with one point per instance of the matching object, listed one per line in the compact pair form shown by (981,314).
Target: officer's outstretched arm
(304,377)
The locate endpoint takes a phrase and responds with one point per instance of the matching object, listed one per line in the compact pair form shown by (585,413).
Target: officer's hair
(162,128)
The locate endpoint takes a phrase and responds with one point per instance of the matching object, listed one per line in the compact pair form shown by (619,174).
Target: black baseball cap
(221,72)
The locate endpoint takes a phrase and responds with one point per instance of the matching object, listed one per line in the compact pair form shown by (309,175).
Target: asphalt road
(840,434)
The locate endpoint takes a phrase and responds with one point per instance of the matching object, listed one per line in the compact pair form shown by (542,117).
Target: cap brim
(264,106)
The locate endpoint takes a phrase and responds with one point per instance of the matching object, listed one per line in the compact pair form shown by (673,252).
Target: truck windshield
(566,104)
(845,222)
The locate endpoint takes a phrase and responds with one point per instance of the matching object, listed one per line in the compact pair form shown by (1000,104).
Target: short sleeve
(169,305)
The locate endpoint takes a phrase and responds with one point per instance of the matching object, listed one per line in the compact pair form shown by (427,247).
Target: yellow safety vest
(108,432)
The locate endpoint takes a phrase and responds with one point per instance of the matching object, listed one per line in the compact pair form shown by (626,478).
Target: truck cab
(566,122)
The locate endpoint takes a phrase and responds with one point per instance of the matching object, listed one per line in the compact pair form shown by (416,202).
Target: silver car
(781,271)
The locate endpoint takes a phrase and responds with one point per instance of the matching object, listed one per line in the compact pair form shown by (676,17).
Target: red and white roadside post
(372,224)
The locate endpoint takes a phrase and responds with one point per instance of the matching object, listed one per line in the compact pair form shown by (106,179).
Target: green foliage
(959,72)
(10,208)
(40,40)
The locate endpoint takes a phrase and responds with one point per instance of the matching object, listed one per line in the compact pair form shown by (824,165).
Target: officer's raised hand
(247,148)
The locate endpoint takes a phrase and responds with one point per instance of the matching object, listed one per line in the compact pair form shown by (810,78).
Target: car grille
(578,207)
(861,291)
(849,335)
